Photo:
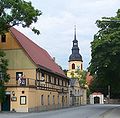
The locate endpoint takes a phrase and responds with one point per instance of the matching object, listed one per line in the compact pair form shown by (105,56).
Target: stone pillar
(0,106)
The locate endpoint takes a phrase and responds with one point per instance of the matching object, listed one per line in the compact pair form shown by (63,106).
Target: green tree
(4,77)
(16,12)
(104,65)
(81,76)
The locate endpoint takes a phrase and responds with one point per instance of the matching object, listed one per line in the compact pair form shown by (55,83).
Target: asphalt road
(88,111)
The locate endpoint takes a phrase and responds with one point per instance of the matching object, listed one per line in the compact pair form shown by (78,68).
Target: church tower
(75,59)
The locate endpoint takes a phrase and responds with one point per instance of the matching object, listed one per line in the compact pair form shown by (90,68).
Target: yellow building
(36,82)
(77,94)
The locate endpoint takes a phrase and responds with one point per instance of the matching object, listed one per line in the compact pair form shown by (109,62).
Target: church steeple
(75,42)
(75,59)
(75,56)
(75,32)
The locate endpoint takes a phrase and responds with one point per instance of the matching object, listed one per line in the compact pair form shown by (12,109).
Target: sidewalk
(112,113)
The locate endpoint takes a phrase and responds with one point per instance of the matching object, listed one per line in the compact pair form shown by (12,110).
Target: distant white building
(96,98)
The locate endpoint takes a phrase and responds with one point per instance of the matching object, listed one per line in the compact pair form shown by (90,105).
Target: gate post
(0,106)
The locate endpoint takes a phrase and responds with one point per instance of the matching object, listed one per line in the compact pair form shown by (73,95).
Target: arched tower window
(73,66)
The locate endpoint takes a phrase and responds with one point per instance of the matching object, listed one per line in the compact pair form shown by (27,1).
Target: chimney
(54,59)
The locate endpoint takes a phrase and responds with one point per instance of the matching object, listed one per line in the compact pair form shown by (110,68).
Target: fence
(23,82)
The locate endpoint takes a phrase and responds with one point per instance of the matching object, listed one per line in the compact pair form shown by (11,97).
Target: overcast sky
(57,25)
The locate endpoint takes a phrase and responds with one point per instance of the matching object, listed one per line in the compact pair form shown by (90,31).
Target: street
(88,111)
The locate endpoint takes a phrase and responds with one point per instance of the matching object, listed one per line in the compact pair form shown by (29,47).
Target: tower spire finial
(75,56)
(74,32)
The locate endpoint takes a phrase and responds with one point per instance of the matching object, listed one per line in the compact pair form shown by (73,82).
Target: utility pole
(108,93)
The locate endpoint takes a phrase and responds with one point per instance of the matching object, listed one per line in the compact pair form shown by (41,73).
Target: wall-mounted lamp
(13,97)
(13,93)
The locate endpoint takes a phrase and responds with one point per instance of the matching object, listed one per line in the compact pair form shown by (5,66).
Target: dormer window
(3,38)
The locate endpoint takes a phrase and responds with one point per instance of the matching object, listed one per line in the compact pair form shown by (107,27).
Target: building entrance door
(96,100)
(5,106)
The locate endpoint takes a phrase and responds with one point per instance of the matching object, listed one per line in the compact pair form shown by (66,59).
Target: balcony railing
(24,82)
(29,82)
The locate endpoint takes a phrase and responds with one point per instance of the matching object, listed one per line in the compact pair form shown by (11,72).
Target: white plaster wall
(100,96)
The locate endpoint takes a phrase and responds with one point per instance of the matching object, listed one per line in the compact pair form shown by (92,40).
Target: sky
(56,25)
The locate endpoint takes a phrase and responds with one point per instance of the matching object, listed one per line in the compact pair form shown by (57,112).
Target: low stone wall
(46,108)
(114,101)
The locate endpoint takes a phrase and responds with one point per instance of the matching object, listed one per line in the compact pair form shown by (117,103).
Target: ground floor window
(22,100)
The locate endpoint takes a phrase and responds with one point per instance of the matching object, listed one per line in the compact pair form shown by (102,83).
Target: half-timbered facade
(36,81)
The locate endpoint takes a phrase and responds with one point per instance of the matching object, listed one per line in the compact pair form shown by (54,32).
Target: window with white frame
(22,100)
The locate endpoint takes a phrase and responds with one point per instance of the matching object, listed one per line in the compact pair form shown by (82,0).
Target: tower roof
(75,56)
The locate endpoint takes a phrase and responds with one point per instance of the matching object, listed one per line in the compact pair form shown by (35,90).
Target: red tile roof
(97,93)
(37,54)
(89,79)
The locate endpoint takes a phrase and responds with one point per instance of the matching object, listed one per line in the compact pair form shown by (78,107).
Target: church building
(77,93)
(75,59)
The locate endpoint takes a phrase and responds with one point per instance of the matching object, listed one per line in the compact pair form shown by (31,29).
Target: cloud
(57,25)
